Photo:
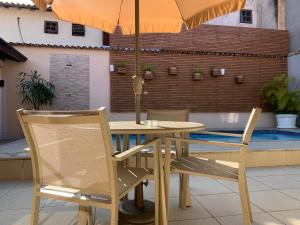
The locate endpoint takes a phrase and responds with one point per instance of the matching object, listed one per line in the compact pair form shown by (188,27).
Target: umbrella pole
(139,198)
(138,87)
(137,211)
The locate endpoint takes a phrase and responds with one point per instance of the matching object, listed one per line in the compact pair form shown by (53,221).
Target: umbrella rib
(120,12)
(179,10)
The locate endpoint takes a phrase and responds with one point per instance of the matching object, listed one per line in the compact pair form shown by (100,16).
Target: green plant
(149,67)
(121,64)
(278,97)
(35,90)
(198,70)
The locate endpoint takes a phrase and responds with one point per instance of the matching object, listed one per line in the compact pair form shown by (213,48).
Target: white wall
(262,12)
(32,29)
(38,59)
(219,121)
(233,19)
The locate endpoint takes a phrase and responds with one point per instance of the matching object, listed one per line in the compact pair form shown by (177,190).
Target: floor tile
(258,219)
(278,182)
(194,212)
(223,204)
(253,185)
(47,216)
(102,216)
(295,177)
(207,187)
(18,199)
(288,217)
(8,184)
(53,203)
(15,217)
(271,171)
(150,189)
(3,192)
(294,193)
(207,221)
(273,201)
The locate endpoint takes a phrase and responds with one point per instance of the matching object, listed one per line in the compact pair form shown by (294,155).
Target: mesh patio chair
(73,160)
(164,115)
(178,149)
(234,171)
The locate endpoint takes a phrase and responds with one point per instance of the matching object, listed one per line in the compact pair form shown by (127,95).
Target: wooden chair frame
(85,202)
(241,176)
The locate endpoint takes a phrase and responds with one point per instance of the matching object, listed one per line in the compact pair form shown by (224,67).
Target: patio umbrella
(140,16)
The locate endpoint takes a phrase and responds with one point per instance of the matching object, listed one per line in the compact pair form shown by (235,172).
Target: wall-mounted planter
(172,71)
(122,70)
(239,79)
(197,76)
(148,75)
(215,72)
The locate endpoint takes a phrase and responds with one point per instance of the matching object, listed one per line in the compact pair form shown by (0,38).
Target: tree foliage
(35,90)
(278,97)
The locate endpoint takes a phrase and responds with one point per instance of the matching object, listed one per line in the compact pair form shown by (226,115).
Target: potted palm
(35,90)
(198,74)
(148,71)
(284,102)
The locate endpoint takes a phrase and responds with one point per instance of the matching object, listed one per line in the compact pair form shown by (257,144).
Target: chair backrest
(71,150)
(168,115)
(252,121)
(181,115)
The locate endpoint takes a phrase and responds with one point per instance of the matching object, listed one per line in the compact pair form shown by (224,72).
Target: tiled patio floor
(274,193)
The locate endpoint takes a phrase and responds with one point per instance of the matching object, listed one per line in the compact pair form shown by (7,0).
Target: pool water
(258,135)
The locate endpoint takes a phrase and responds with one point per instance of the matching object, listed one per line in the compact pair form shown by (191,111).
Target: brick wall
(261,56)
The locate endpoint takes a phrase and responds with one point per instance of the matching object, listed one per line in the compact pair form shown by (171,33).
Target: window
(78,30)
(51,27)
(105,39)
(246,16)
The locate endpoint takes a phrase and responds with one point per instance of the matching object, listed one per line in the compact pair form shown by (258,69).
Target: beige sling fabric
(73,156)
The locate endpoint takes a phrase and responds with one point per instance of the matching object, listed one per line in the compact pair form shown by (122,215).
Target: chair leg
(184,191)
(90,215)
(35,208)
(248,199)
(83,217)
(114,214)
(157,187)
(244,195)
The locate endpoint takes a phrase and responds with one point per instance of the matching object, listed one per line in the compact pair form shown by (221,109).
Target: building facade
(71,56)
(74,59)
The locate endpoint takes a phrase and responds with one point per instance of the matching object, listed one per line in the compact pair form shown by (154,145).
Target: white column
(2,119)
(281,15)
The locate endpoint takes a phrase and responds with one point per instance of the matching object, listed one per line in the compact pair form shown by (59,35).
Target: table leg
(184,187)
(85,216)
(162,190)
(157,186)
(167,167)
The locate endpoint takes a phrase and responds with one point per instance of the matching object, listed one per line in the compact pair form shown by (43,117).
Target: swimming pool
(258,135)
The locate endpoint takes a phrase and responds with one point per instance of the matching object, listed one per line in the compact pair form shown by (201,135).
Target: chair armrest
(219,133)
(205,142)
(134,150)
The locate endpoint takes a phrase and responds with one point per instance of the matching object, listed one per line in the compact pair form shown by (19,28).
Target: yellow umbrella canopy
(156,16)
(140,16)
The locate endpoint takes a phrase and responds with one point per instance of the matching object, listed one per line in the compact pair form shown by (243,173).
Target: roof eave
(9,52)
